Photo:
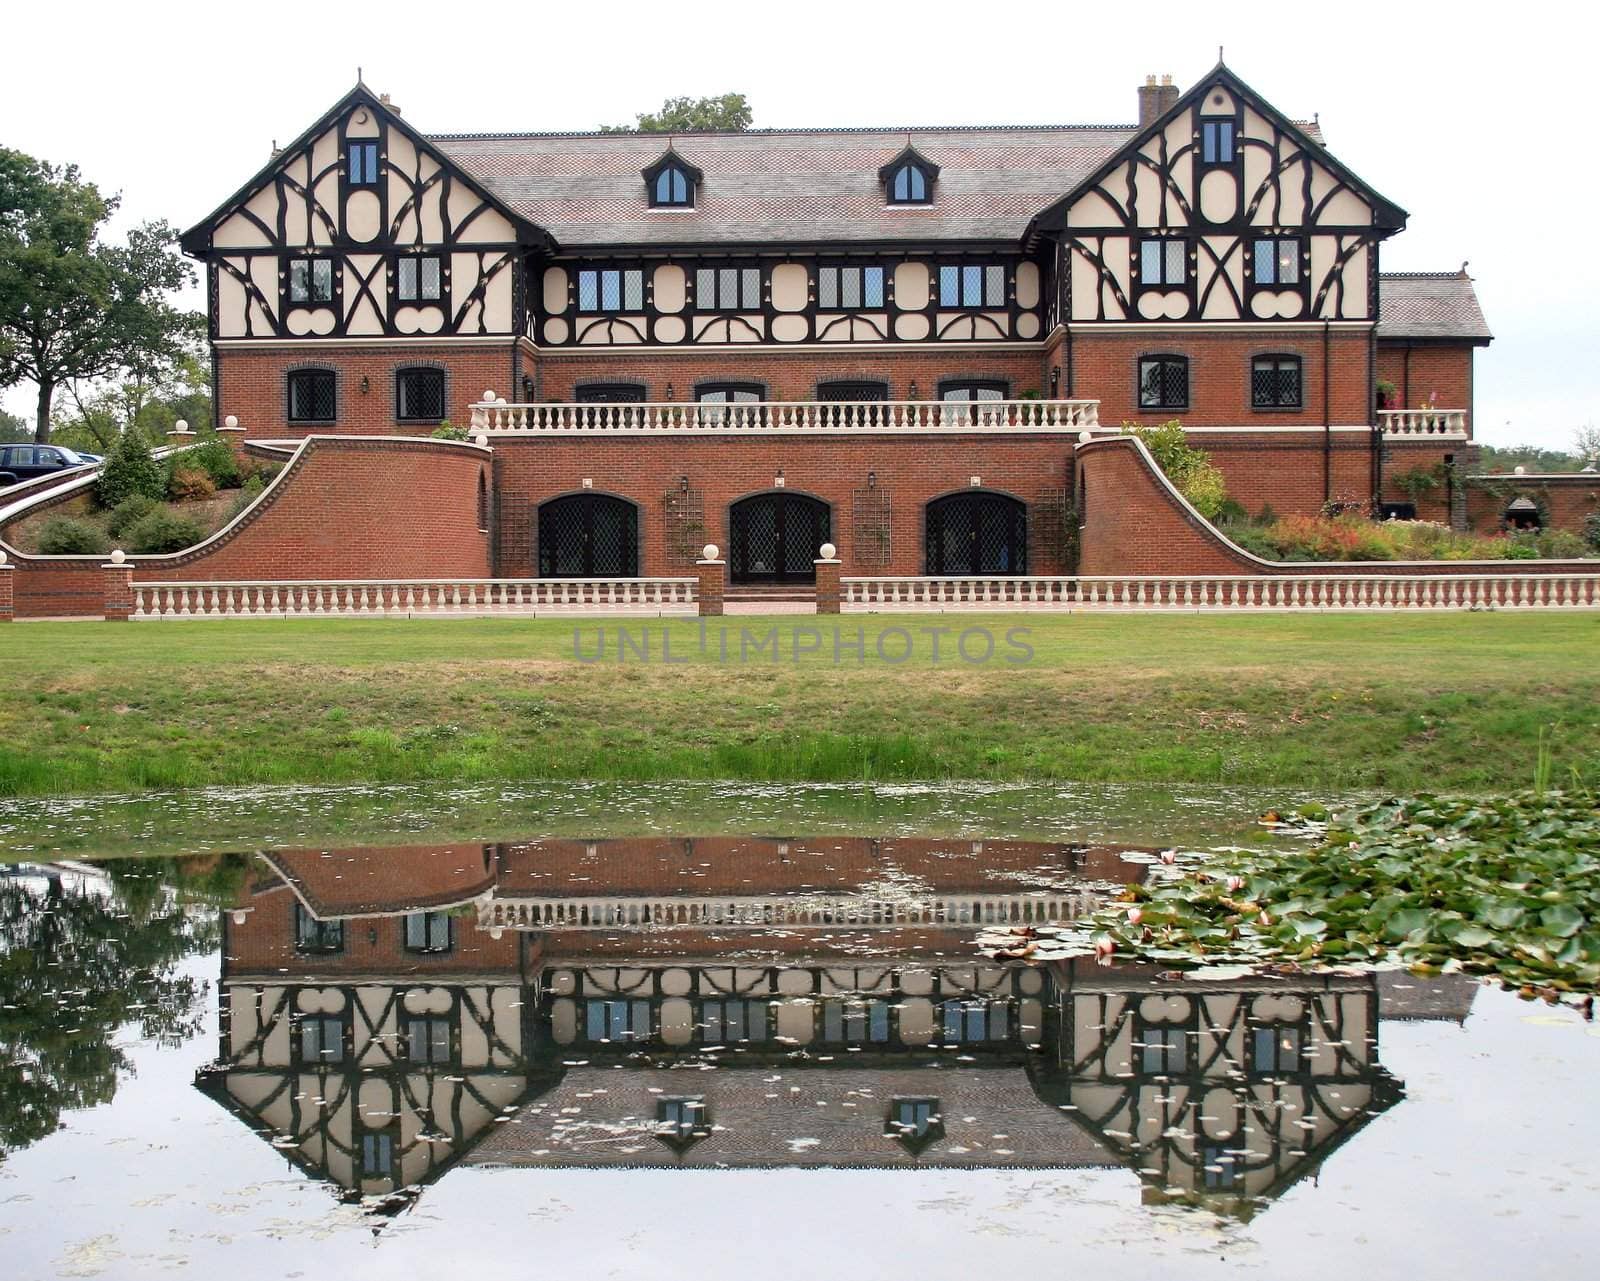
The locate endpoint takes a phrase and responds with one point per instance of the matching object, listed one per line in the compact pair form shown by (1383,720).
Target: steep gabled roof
(196,242)
(909,155)
(1436,306)
(1387,215)
(771,186)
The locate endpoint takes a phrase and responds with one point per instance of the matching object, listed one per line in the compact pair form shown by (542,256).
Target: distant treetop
(730,113)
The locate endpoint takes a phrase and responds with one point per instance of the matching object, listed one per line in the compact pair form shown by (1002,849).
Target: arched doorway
(977,532)
(775,537)
(1523,514)
(588,536)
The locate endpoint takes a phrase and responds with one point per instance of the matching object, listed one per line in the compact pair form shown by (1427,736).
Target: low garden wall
(1133,522)
(343,508)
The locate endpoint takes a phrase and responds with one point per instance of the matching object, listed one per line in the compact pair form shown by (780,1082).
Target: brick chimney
(1155,100)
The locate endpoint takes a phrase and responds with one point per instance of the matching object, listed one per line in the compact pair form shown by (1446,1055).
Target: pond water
(625,1042)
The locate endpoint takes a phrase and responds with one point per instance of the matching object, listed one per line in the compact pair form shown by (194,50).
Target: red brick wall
(1442,372)
(252,383)
(791,375)
(1105,365)
(355,508)
(1569,500)
(912,469)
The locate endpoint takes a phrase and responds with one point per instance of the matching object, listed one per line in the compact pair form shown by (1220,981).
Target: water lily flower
(1135,915)
(1235,884)
(1104,946)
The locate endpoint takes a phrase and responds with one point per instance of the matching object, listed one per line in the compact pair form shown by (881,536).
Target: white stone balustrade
(1440,424)
(451,598)
(1224,593)
(808,911)
(789,416)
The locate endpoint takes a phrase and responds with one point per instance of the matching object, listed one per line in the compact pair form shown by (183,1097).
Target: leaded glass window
(1216,142)
(1163,262)
(1163,382)
(321,1038)
(1276,261)
(311,396)
(313,935)
(727,288)
(849,288)
(429,932)
(418,278)
(611,289)
(972,285)
(419,395)
(1275,382)
(310,280)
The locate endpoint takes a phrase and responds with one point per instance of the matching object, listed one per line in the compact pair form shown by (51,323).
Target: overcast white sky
(1476,121)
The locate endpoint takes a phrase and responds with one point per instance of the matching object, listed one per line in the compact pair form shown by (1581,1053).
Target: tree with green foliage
(1586,442)
(729,113)
(130,469)
(1539,461)
(14,427)
(74,308)
(101,412)
(76,966)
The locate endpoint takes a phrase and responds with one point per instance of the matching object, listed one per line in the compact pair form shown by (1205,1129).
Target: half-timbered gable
(361,228)
(1222,209)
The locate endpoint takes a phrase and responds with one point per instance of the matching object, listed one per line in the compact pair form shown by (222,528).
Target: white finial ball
(118,556)
(239,915)
(482,438)
(709,552)
(829,551)
(1519,470)
(2,557)
(180,425)
(231,421)
(1084,437)
(488,395)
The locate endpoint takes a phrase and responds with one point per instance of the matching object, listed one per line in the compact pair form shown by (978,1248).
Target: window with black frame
(733,288)
(1275,382)
(909,185)
(1164,382)
(1277,1049)
(915,1123)
(363,163)
(1275,260)
(975,1019)
(717,399)
(322,1038)
(316,936)
(310,281)
(732,1020)
(418,278)
(1163,262)
(616,1020)
(672,187)
(852,287)
(610,289)
(1216,142)
(972,286)
(377,1154)
(681,1121)
(429,1039)
(429,932)
(857,1022)
(1165,1049)
(419,395)
(311,395)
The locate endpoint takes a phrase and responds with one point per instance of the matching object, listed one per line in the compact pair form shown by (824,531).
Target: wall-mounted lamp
(366,384)
(777,481)
(872,480)
(669,391)
(912,393)
(1055,380)
(527,388)
(683,484)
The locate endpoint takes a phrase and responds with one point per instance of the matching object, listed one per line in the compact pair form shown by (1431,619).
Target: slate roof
(768,185)
(1430,304)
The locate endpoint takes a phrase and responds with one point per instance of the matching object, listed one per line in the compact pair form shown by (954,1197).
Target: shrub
(1561,544)
(130,469)
(63,536)
(164,531)
(1522,547)
(127,512)
(1232,512)
(1591,530)
(248,493)
(444,431)
(215,458)
(190,485)
(1189,469)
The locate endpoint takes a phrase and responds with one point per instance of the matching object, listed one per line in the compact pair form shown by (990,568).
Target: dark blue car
(24,462)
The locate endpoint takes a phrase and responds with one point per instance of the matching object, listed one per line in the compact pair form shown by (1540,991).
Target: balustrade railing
(1448,424)
(447,597)
(1224,593)
(518,913)
(790,415)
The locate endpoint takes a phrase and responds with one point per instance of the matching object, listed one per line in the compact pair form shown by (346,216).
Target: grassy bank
(1336,703)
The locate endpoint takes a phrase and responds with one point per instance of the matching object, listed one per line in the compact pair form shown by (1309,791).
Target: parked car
(24,462)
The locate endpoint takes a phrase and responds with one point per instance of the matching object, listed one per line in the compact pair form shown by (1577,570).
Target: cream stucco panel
(1147,186)
(555,290)
(670,288)
(363,216)
(670,329)
(304,322)
(498,308)
(1028,325)
(912,286)
(419,320)
(230,305)
(1218,102)
(913,327)
(791,286)
(1027,284)
(785,328)
(362,123)
(488,227)
(430,205)
(556,331)
(1219,195)
(1085,290)
(1092,210)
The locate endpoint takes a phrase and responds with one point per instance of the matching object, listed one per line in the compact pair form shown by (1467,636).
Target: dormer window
(908,178)
(671,181)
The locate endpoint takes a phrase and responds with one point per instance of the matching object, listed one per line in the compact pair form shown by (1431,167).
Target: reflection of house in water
(758,1003)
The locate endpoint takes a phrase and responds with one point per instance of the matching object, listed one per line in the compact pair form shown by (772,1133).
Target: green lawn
(1335,703)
